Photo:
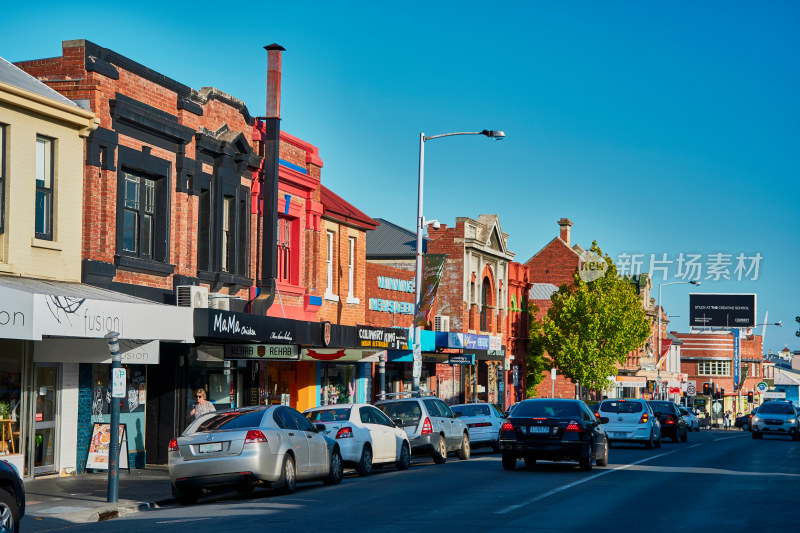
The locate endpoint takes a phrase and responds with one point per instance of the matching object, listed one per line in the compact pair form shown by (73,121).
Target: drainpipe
(269,185)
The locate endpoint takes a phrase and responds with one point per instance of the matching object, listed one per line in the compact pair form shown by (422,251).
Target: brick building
(707,357)
(517,331)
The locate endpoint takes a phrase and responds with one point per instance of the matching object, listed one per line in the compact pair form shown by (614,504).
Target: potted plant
(5,409)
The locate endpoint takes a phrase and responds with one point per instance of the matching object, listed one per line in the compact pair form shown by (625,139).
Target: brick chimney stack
(565,224)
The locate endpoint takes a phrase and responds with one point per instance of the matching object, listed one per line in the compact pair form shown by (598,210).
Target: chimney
(269,185)
(565,224)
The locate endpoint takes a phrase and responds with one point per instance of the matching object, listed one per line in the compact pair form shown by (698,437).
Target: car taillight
(479,425)
(507,426)
(670,420)
(254,436)
(427,427)
(173,445)
(573,426)
(344,433)
(644,419)
(597,414)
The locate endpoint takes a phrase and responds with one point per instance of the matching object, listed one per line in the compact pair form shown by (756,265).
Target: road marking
(703,470)
(576,483)
(182,520)
(726,438)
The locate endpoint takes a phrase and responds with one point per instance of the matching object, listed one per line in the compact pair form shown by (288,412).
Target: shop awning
(31,309)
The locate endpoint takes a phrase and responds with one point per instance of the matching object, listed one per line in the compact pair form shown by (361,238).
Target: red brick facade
(387,295)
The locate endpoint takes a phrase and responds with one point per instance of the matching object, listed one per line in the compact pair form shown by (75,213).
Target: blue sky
(655,127)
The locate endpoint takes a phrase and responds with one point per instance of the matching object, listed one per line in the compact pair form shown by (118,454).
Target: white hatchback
(483,421)
(365,435)
(631,420)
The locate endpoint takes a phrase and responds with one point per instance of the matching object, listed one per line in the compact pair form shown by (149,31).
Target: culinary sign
(385,338)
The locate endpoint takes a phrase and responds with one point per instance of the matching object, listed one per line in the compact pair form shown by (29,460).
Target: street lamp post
(421,224)
(658,357)
(113,448)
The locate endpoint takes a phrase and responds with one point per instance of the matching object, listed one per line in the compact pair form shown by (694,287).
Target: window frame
(351,259)
(143,183)
(2,177)
(330,248)
(714,368)
(48,192)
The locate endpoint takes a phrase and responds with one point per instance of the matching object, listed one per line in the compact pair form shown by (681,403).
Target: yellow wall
(26,115)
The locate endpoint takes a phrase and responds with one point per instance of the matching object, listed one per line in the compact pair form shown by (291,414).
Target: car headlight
(791,421)
(756,419)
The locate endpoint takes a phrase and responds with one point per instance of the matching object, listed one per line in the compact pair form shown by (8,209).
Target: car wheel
(9,512)
(440,454)
(464,451)
(658,442)
(685,436)
(364,466)
(509,461)
(334,477)
(650,443)
(603,461)
(289,475)
(405,458)
(745,427)
(587,459)
(496,446)
(756,435)
(676,437)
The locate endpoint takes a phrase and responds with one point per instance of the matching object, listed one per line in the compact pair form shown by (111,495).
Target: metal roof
(17,77)
(390,241)
(66,288)
(542,291)
(337,208)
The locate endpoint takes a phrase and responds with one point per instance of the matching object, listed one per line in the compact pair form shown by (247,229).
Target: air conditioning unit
(441,323)
(217,300)
(192,296)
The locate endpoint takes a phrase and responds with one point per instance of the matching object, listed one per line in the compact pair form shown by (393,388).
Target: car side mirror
(321,428)
(604,420)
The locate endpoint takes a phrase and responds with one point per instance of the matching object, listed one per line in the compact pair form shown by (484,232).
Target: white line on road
(726,438)
(181,520)
(575,483)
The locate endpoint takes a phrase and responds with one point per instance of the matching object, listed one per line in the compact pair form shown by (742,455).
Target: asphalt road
(720,480)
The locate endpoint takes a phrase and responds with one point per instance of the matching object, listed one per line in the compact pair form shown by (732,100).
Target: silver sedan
(270,446)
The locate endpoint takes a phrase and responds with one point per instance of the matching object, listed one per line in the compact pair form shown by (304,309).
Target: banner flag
(432,268)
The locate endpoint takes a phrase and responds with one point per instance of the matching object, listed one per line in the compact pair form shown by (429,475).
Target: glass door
(44,423)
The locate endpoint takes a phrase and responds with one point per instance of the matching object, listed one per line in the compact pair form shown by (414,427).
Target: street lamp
(658,358)
(421,224)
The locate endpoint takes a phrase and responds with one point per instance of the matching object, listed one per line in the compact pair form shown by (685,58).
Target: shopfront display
(11,412)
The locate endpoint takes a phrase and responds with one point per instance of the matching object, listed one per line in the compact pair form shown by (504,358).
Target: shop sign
(261,351)
(495,343)
(233,325)
(133,352)
(386,338)
(461,359)
(476,342)
(330,355)
(722,310)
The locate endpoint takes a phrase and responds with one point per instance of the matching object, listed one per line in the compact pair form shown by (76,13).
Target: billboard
(722,310)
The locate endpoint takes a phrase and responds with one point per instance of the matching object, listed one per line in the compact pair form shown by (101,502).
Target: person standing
(202,405)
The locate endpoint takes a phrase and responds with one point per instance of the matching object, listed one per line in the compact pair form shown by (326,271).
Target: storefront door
(44,445)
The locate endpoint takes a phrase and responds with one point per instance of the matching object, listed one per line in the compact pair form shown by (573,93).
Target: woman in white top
(202,405)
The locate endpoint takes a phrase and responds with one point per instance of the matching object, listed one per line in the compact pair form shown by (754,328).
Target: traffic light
(721,393)
(750,397)
(706,388)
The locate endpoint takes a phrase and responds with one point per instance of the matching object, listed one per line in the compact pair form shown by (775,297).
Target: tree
(797,319)
(537,361)
(592,326)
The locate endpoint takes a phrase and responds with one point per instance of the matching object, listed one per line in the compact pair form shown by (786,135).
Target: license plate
(539,429)
(210,448)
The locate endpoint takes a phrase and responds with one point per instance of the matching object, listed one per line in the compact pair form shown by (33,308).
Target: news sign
(722,310)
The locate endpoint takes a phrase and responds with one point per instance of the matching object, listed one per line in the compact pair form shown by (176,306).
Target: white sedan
(365,435)
(483,421)
(692,422)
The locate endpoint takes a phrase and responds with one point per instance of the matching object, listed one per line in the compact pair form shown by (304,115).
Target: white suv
(631,420)
(778,418)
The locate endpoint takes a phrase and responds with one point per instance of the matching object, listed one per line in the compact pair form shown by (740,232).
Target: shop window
(43,220)
(10,399)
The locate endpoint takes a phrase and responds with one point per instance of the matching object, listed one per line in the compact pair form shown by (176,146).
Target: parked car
(553,430)
(511,408)
(365,435)
(431,426)
(12,498)
(483,421)
(672,423)
(631,420)
(692,422)
(273,446)
(745,421)
(776,417)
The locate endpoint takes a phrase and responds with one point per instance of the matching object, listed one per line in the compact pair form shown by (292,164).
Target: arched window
(486,292)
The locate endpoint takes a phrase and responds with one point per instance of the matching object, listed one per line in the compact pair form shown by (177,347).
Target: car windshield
(614,406)
(408,413)
(662,407)
(776,409)
(339,414)
(471,410)
(546,409)
(232,420)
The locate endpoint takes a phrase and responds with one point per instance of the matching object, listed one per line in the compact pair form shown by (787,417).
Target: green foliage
(592,326)
(537,360)
(797,318)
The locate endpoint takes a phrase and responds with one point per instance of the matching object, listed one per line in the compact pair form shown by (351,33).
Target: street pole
(382,375)
(113,449)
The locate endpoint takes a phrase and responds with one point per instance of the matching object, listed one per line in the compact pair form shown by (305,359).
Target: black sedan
(553,430)
(672,423)
(744,421)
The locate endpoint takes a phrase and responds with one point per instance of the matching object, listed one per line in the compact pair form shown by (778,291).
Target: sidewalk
(54,501)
